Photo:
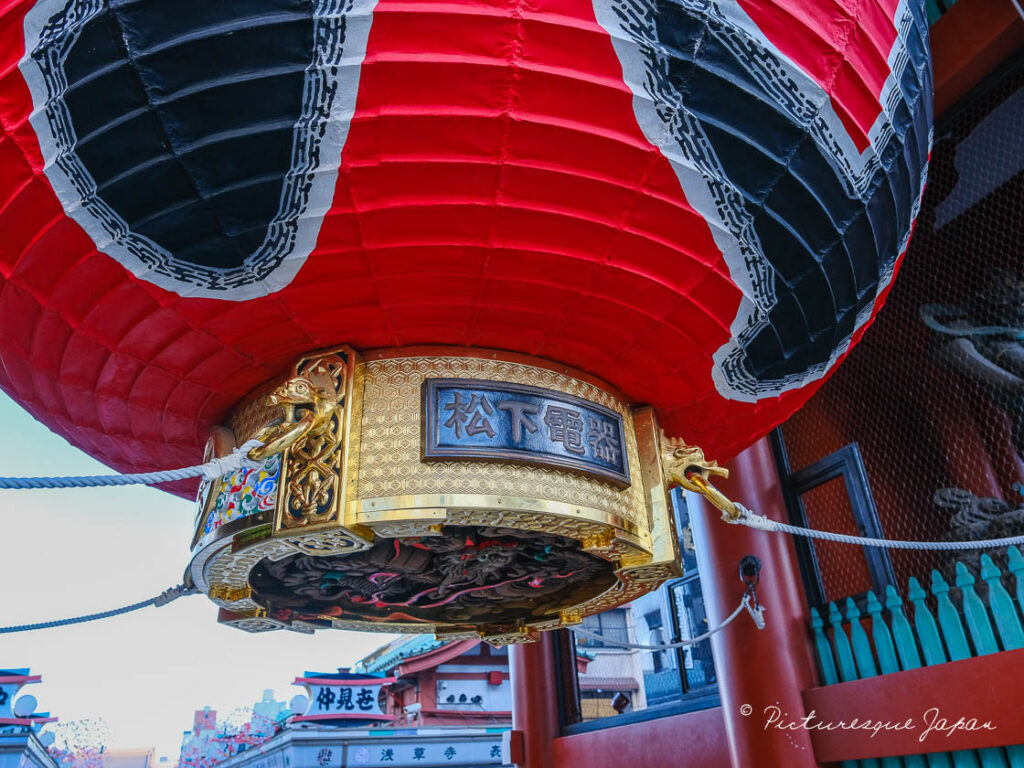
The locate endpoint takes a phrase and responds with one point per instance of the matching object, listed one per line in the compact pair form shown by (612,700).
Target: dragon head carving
(678,459)
(300,391)
(310,400)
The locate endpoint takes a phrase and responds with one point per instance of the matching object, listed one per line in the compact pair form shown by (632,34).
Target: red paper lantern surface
(702,203)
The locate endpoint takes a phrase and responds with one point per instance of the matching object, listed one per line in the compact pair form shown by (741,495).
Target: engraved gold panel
(384,489)
(390,464)
(312,488)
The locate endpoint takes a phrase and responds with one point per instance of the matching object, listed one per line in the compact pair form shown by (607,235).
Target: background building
(415,701)
(212,741)
(20,724)
(144,757)
(462,682)
(20,748)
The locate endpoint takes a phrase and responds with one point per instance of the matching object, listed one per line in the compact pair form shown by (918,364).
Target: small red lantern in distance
(702,202)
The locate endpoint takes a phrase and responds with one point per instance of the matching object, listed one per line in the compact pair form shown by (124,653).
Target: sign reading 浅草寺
(497,421)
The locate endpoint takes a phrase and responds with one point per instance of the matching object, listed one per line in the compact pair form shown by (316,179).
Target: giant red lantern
(701,203)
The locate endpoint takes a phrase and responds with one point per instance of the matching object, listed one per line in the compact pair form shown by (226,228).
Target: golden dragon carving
(319,408)
(685,465)
(310,430)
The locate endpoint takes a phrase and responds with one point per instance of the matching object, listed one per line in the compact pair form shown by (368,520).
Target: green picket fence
(846,653)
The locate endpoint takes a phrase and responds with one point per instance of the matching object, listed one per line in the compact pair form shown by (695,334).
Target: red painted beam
(932,709)
(340,716)
(970,40)
(690,740)
(446,654)
(494,677)
(337,682)
(497,713)
(23,679)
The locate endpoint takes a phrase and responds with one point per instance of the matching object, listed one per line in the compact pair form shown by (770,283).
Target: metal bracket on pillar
(750,575)
(750,571)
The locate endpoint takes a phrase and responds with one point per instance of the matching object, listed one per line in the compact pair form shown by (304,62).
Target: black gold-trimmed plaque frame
(532,425)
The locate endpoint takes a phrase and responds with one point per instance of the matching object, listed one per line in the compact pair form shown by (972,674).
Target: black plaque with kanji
(477,420)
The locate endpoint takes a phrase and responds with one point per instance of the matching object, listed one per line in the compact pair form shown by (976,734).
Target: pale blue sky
(75,551)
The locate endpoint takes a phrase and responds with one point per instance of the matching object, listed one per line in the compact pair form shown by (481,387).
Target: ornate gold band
(412,446)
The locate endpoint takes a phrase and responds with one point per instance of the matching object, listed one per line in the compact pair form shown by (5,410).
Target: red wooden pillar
(534,699)
(759,669)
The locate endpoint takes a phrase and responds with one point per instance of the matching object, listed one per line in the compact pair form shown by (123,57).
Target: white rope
(211,470)
(762,523)
(755,614)
(165,597)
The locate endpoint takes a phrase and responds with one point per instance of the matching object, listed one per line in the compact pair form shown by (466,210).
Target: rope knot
(169,595)
(750,519)
(217,468)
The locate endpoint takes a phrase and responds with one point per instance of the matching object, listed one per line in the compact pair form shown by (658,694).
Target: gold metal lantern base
(459,492)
